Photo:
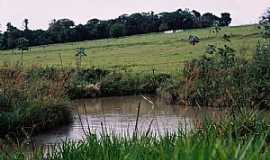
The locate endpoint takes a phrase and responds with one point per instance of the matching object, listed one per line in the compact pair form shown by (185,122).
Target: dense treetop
(65,30)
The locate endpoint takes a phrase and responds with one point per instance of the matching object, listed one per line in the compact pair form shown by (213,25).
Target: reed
(214,140)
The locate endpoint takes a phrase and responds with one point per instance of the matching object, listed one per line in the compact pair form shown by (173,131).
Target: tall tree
(265,22)
(26,22)
(196,13)
(209,20)
(117,30)
(12,34)
(225,19)
(267,14)
(61,30)
(80,53)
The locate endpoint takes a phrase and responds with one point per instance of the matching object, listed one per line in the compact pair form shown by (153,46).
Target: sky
(41,12)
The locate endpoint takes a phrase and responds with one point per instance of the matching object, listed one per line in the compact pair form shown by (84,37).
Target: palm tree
(80,53)
(26,22)
(23,45)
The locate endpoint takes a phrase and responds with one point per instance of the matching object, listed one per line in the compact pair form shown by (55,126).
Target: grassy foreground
(242,137)
(164,52)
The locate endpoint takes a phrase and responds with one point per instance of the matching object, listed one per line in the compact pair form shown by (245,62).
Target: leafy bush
(242,124)
(222,79)
(101,83)
(169,91)
(30,119)
(31,101)
(259,75)
(266,32)
(119,84)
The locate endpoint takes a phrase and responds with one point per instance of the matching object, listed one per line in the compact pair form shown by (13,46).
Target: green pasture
(163,52)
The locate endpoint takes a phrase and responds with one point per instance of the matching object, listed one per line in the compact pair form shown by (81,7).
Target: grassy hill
(163,51)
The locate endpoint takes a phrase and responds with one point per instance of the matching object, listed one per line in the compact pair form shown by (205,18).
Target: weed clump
(222,79)
(31,102)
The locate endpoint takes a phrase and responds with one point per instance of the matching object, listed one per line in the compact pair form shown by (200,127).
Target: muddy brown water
(117,115)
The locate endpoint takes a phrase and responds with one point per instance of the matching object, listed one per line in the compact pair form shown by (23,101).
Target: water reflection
(117,115)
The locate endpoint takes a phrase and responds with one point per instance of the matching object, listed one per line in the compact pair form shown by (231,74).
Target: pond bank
(37,99)
(118,117)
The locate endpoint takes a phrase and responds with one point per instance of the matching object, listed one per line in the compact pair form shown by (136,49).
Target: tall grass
(222,79)
(31,103)
(165,148)
(242,136)
(102,83)
(209,142)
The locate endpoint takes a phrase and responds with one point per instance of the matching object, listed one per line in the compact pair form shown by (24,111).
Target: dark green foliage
(225,19)
(266,30)
(222,79)
(169,91)
(32,101)
(22,44)
(82,79)
(3,103)
(65,30)
(80,84)
(107,83)
(239,125)
(266,16)
(259,75)
(61,31)
(216,27)
(117,30)
(92,75)
(209,20)
(127,84)
(1,40)
(265,24)
(29,119)
(48,73)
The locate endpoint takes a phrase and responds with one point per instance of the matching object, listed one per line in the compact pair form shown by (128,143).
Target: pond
(118,115)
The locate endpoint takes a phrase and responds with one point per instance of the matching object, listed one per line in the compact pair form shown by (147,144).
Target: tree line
(65,30)
(265,22)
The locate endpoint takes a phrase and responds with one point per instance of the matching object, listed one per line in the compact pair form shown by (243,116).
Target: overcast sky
(41,12)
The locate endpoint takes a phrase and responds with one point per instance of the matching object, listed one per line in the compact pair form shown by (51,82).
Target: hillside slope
(163,51)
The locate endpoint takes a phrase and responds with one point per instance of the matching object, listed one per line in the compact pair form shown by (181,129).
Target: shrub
(30,119)
(31,101)
(95,82)
(259,75)
(222,79)
(266,30)
(118,84)
(242,124)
